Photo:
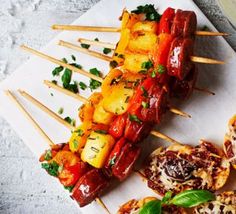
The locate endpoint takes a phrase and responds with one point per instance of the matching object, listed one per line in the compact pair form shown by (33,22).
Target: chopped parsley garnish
(149,11)
(106,50)
(112,161)
(205,28)
(57,71)
(76,65)
(113,64)
(54,82)
(133,117)
(48,155)
(52,94)
(145,104)
(145,93)
(161,69)
(94,84)
(147,65)
(51,168)
(66,77)
(82,85)
(86,46)
(69,188)
(64,60)
(60,111)
(79,132)
(96,39)
(75,144)
(73,57)
(70,120)
(101,131)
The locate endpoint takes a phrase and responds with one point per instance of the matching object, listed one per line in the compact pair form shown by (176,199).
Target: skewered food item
(230,142)
(225,203)
(181,167)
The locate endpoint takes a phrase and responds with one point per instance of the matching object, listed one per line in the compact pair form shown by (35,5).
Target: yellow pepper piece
(101,115)
(97,149)
(79,137)
(117,101)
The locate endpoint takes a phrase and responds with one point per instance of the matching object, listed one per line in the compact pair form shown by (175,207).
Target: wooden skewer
(114,29)
(84,50)
(65,91)
(205,90)
(61,63)
(209,33)
(101,56)
(83,99)
(46,109)
(204,60)
(177,111)
(70,127)
(85,28)
(28,116)
(97,43)
(39,129)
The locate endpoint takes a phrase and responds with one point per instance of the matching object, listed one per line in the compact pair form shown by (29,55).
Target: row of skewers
(152,63)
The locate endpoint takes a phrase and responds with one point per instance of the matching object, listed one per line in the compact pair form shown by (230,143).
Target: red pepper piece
(115,152)
(89,187)
(166,20)
(125,162)
(71,174)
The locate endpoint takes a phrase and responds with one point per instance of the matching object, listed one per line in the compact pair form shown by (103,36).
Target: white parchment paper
(209,113)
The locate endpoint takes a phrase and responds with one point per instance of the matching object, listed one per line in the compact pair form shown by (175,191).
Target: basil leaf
(191,198)
(152,207)
(166,198)
(56,71)
(94,84)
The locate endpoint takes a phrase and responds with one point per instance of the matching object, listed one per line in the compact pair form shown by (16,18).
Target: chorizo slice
(89,186)
(179,63)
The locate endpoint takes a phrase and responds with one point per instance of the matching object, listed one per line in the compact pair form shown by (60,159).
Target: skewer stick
(85,28)
(43,134)
(65,91)
(97,43)
(61,63)
(114,29)
(164,137)
(84,50)
(192,58)
(28,116)
(46,109)
(177,111)
(204,60)
(83,99)
(205,90)
(101,203)
(209,33)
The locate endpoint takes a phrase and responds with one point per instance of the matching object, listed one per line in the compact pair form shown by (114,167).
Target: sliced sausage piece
(125,162)
(157,105)
(89,187)
(182,89)
(179,63)
(136,131)
(184,24)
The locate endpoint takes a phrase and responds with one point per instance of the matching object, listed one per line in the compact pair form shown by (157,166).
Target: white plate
(209,113)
